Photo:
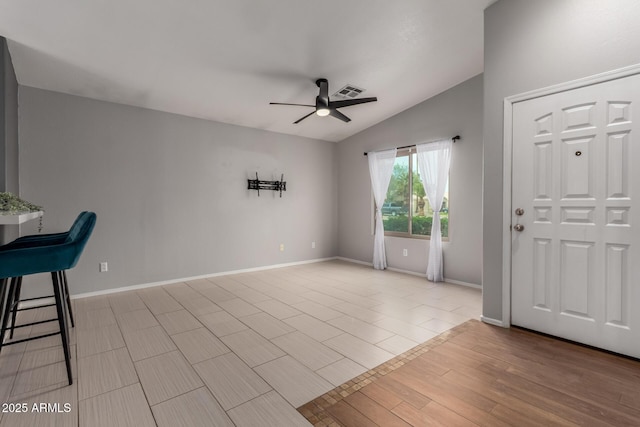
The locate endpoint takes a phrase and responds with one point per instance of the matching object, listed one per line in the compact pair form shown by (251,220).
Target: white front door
(576,176)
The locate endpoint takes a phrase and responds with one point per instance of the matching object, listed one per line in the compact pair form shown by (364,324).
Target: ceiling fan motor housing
(321,104)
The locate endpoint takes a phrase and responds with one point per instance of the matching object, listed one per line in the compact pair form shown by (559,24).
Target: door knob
(518,227)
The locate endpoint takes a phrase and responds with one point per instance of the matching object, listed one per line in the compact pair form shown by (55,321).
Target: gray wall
(170,191)
(530,45)
(8,132)
(456,111)
(8,123)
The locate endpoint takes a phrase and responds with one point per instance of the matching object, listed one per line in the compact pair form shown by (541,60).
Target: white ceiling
(225,60)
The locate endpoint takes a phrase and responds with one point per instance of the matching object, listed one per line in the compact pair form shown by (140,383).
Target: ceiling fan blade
(284,103)
(350,102)
(338,115)
(323,84)
(301,119)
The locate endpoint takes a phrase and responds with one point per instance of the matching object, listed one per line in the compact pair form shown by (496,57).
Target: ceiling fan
(325,107)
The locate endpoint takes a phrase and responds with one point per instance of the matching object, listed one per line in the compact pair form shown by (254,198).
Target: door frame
(507,168)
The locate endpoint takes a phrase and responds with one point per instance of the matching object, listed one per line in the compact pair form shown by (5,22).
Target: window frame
(408,152)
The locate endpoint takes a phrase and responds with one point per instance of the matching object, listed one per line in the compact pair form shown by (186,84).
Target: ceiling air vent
(348,92)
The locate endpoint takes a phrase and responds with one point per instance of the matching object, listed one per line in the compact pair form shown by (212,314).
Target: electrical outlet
(104,267)
(281,247)
(405,252)
(313,245)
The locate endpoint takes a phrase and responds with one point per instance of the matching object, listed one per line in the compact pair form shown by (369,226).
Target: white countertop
(19,219)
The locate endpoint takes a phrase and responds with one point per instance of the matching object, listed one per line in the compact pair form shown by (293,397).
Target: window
(406,211)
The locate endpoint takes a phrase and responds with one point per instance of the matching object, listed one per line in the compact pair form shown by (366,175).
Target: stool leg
(62,321)
(7,308)
(16,301)
(63,275)
(4,284)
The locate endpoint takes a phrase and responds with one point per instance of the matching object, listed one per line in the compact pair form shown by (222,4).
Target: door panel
(576,263)
(617,286)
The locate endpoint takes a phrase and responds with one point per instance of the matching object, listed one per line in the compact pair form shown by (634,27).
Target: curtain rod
(454,139)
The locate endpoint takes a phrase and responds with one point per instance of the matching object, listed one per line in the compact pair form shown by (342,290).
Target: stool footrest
(35,323)
(36,306)
(37,298)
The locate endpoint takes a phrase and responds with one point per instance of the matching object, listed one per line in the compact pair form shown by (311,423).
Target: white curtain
(380,170)
(434,159)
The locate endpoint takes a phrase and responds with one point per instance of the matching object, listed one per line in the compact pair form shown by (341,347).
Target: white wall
(530,45)
(170,192)
(457,111)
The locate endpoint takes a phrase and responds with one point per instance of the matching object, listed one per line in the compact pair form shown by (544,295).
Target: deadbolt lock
(519,211)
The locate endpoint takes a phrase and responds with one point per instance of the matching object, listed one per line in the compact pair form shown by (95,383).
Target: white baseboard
(461,283)
(36,303)
(204,276)
(494,322)
(355,261)
(263,268)
(413,273)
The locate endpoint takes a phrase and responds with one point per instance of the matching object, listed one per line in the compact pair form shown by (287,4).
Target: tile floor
(244,349)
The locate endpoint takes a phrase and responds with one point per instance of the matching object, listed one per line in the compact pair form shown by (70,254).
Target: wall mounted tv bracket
(256,184)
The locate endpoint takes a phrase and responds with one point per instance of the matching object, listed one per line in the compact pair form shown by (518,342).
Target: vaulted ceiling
(225,60)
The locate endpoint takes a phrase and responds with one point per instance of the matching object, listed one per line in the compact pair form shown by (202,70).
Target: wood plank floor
(481,375)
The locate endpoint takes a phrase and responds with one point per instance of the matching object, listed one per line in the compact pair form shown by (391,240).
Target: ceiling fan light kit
(325,107)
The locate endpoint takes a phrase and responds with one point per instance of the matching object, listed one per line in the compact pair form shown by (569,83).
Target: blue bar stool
(41,240)
(52,257)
